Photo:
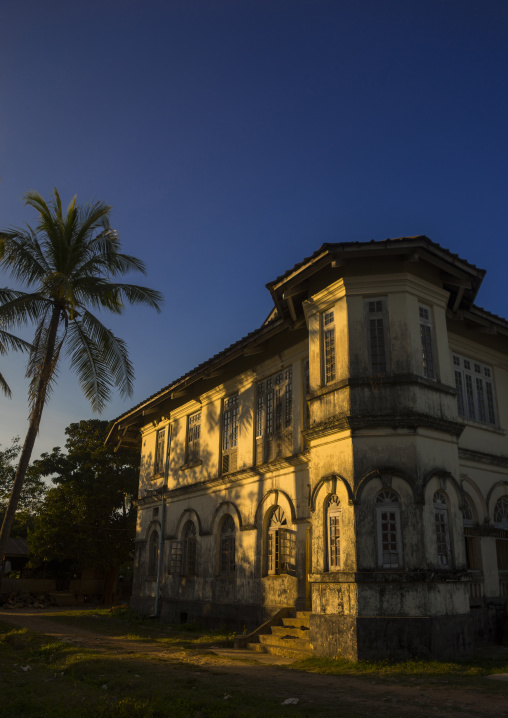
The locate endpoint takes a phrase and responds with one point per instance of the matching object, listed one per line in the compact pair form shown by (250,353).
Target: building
(348,458)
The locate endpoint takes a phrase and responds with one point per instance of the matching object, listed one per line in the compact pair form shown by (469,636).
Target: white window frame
(376,321)
(230,432)
(476,396)
(427,342)
(160,446)
(280,545)
(334,533)
(389,548)
(328,346)
(274,416)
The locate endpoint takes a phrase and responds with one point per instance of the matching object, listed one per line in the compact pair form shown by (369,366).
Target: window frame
(194,437)
(153,553)
(442,530)
(280,545)
(189,549)
(160,452)
(377,314)
(476,397)
(227,546)
(328,347)
(274,416)
(334,521)
(427,341)
(388,501)
(230,431)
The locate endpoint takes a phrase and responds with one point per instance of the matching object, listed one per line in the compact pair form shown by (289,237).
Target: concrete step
(286,651)
(302,622)
(291,631)
(291,642)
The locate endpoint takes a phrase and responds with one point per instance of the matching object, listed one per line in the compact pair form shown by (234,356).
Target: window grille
(388,529)
(158,466)
(426,334)
(175,559)
(475,390)
(376,335)
(334,515)
(501,513)
(274,418)
(194,437)
(442,530)
(230,434)
(227,546)
(329,347)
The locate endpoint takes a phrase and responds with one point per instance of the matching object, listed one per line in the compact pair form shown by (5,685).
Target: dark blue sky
(234,137)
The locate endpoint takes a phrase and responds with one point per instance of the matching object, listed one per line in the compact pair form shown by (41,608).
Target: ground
(249,677)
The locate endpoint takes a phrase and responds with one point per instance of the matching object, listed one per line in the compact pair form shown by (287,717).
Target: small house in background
(348,460)
(16,554)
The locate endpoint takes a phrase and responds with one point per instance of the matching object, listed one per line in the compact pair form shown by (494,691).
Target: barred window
(426,334)
(194,436)
(333,522)
(328,347)
(230,433)
(376,338)
(227,546)
(274,419)
(475,390)
(442,530)
(158,466)
(388,529)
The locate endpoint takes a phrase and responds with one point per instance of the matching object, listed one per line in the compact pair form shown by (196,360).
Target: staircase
(289,638)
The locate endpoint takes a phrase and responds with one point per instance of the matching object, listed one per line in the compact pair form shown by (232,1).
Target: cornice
(481,457)
(392,421)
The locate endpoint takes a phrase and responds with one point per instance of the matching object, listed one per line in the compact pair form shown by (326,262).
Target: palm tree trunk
(47,370)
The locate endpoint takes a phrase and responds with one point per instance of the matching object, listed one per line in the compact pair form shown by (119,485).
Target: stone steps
(290,638)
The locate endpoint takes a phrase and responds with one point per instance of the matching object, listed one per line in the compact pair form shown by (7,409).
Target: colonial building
(348,458)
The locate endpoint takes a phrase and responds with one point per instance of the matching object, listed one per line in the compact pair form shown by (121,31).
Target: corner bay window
(333,526)
(427,340)
(194,435)
(443,545)
(475,390)
(274,417)
(375,310)
(501,523)
(230,434)
(158,464)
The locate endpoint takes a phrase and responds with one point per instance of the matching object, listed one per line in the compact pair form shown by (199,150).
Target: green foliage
(87,516)
(32,494)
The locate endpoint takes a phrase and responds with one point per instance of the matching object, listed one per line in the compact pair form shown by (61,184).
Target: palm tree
(9,341)
(69,261)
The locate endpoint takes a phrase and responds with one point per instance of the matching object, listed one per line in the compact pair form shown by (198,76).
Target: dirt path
(363,695)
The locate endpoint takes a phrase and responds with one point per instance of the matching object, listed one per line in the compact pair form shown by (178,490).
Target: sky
(234,137)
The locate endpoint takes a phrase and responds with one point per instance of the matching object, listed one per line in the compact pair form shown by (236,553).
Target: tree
(32,493)
(88,516)
(70,261)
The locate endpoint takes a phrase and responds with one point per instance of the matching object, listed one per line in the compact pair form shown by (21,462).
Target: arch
(184,517)
(475,497)
(333,479)
(154,524)
(386,476)
(444,477)
(225,507)
(440,505)
(388,528)
(491,495)
(277,495)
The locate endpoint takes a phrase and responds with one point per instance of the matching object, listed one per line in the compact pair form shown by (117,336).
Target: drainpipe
(163,521)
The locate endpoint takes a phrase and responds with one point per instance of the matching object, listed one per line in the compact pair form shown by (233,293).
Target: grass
(61,680)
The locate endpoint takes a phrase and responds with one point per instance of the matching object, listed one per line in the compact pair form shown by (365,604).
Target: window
(328,330)
(472,540)
(230,434)
(388,529)
(306,391)
(194,435)
(158,466)
(426,334)
(376,340)
(189,549)
(442,530)
(333,525)
(281,545)
(274,417)
(153,557)
(501,522)
(475,390)
(227,546)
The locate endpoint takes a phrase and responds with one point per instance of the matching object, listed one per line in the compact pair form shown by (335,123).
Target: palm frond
(9,341)
(4,387)
(23,255)
(36,359)
(21,307)
(87,361)
(134,294)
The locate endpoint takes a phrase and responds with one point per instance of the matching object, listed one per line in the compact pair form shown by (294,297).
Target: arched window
(442,530)
(501,513)
(189,549)
(333,530)
(281,545)
(388,529)
(153,554)
(227,546)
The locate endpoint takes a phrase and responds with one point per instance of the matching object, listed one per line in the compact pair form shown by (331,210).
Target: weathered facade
(348,458)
